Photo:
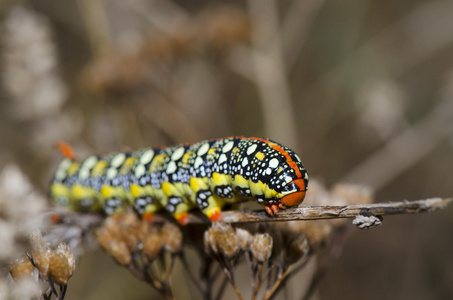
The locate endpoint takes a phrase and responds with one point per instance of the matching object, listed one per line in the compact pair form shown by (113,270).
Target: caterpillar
(205,175)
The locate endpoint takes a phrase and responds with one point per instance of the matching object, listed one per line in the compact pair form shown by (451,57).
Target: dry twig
(331,212)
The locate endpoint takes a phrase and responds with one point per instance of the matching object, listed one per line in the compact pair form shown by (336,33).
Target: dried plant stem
(270,72)
(330,212)
(236,290)
(276,285)
(248,258)
(193,278)
(259,272)
(334,251)
(97,26)
(406,148)
(222,288)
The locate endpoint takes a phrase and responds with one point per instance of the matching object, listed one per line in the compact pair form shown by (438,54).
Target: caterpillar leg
(182,218)
(148,216)
(272,209)
(214,213)
(212,208)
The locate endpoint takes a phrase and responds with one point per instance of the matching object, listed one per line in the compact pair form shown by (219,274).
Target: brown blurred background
(362,90)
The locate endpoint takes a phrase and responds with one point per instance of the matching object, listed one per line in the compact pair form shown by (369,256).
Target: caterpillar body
(205,175)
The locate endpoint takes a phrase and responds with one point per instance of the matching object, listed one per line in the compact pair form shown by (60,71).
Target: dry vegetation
(362,90)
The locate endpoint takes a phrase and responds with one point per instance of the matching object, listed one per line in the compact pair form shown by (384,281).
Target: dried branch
(330,212)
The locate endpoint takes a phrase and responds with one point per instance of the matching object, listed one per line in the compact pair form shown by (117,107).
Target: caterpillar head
(294,192)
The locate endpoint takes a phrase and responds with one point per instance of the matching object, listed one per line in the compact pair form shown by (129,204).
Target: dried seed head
(209,240)
(171,237)
(297,248)
(64,249)
(59,269)
(152,244)
(144,228)
(129,234)
(112,225)
(129,218)
(119,251)
(244,238)
(226,239)
(20,268)
(221,238)
(40,253)
(104,237)
(316,232)
(261,246)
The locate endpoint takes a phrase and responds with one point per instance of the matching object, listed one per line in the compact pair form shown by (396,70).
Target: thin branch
(97,26)
(406,148)
(329,212)
(270,72)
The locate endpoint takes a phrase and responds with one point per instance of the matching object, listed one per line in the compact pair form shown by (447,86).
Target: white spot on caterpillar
(273,163)
(60,174)
(228,146)
(173,201)
(117,160)
(146,156)
(141,202)
(203,149)
(222,159)
(198,162)
(84,173)
(306,176)
(90,162)
(297,157)
(111,173)
(245,162)
(177,154)
(140,171)
(171,167)
(268,171)
(288,179)
(251,149)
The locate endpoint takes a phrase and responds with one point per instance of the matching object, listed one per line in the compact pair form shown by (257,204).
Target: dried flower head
(129,234)
(221,237)
(297,247)
(129,229)
(172,237)
(112,224)
(261,247)
(59,269)
(317,232)
(152,244)
(41,253)
(209,240)
(227,240)
(104,237)
(21,267)
(119,251)
(245,238)
(64,249)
